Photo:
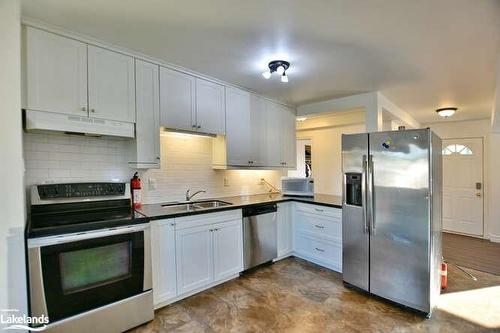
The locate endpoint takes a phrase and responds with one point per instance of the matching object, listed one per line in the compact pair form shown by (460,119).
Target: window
(457,149)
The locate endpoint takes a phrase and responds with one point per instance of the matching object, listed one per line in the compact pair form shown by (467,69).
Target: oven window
(86,274)
(89,268)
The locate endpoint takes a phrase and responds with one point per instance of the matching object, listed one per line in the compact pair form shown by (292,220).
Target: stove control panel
(80,190)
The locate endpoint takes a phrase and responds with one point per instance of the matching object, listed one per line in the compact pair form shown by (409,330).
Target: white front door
(463,186)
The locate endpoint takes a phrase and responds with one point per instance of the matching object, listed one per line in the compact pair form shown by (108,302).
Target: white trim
(495,238)
(32,22)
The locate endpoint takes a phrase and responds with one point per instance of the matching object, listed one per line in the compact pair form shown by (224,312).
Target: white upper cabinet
(289,138)
(238,127)
(210,107)
(274,131)
(111,85)
(259,140)
(177,100)
(147,128)
(56,73)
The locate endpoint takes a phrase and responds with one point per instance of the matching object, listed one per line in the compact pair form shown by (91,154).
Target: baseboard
(193,292)
(495,238)
(284,256)
(333,267)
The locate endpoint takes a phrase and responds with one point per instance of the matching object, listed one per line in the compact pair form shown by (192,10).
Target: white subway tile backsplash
(186,163)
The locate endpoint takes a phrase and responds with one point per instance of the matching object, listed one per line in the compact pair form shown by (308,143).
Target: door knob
(478,194)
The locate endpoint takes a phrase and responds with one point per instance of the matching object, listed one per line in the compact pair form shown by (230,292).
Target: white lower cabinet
(285,233)
(194,253)
(317,234)
(194,258)
(163,258)
(228,249)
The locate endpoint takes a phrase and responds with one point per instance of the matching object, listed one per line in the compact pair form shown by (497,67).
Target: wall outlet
(226,182)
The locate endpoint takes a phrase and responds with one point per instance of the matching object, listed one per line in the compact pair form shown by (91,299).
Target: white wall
(480,128)
(186,163)
(12,264)
(326,156)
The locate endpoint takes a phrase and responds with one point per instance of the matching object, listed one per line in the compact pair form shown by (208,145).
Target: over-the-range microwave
(297,186)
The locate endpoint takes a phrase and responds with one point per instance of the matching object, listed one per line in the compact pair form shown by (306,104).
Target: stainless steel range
(89,258)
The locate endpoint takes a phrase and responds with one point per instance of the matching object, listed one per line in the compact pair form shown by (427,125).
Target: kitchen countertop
(156,211)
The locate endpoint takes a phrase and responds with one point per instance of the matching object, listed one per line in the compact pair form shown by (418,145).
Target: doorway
(463,186)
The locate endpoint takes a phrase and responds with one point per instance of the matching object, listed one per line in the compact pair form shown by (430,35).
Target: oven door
(83,272)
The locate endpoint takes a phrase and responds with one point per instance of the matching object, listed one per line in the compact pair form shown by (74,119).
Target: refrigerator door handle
(363,195)
(371,197)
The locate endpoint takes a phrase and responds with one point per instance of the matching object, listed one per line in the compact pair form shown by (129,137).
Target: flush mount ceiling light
(277,66)
(446,112)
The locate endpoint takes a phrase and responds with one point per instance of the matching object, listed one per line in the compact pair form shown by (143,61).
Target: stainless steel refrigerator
(391,215)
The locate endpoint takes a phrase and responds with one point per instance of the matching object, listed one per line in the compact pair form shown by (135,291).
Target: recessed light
(446,112)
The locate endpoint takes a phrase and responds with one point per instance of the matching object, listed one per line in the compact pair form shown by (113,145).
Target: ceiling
(420,54)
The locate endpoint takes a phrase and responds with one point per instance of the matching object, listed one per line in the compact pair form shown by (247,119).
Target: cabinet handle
(250,162)
(319,226)
(194,126)
(199,126)
(172,224)
(157,157)
(92,110)
(318,249)
(318,210)
(84,109)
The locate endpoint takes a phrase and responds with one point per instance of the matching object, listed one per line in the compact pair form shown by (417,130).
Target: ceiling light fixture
(446,112)
(278,66)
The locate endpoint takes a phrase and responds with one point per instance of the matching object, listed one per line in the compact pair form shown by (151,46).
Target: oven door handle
(67,238)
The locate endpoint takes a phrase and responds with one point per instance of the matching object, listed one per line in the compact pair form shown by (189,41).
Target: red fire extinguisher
(444,275)
(135,187)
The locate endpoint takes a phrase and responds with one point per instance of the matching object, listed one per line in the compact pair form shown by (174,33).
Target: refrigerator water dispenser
(353,189)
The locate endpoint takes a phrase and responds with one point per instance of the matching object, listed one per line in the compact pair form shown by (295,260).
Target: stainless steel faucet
(189,197)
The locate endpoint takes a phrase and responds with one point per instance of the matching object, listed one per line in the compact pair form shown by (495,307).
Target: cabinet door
(259,141)
(111,85)
(210,107)
(177,100)
(284,229)
(238,127)
(228,249)
(163,259)
(56,73)
(289,138)
(194,258)
(274,134)
(147,127)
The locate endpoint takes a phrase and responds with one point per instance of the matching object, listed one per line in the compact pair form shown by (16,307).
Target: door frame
(485,186)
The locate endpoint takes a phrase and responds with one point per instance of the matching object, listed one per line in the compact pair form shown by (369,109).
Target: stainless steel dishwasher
(259,234)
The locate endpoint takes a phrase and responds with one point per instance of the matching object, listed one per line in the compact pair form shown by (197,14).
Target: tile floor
(296,296)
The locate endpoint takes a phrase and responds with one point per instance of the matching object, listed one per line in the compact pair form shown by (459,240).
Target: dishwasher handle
(259,210)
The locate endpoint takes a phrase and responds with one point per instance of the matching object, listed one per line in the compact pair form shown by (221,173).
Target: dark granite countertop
(157,211)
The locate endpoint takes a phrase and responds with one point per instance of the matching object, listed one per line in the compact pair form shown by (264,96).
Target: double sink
(189,206)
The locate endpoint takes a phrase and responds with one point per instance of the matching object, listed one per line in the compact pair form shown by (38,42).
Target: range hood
(50,121)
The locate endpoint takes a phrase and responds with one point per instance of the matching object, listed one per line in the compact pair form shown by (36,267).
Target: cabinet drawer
(324,251)
(208,218)
(326,227)
(319,210)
